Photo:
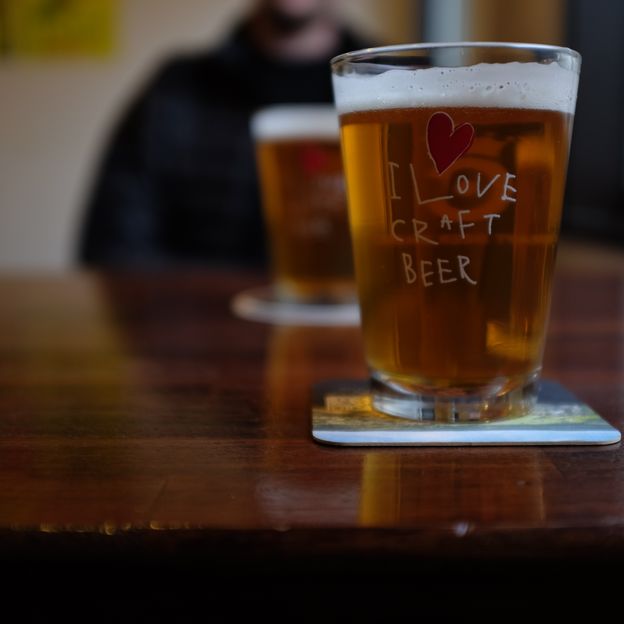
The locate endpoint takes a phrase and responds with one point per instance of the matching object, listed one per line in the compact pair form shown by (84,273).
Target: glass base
(318,292)
(262,304)
(492,403)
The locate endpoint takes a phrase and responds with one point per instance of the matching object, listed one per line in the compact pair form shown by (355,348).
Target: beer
(457,304)
(300,166)
(455,204)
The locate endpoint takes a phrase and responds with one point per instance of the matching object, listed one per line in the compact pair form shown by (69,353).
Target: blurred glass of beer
(303,195)
(455,160)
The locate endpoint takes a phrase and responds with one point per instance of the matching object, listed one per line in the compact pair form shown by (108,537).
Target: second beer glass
(305,209)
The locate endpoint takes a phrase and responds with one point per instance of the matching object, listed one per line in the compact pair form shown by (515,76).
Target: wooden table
(147,434)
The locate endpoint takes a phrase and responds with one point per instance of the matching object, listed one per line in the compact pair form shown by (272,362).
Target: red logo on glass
(445,142)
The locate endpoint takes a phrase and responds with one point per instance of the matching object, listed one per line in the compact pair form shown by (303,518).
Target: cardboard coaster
(342,415)
(260,304)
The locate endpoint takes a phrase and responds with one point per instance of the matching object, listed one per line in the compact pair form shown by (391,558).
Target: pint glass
(455,160)
(303,196)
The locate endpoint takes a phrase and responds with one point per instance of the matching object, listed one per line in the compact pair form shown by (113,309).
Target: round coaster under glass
(262,304)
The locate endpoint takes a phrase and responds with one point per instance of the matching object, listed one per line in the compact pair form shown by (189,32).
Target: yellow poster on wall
(58,28)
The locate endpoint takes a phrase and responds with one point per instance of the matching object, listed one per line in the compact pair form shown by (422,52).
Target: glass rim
(369,53)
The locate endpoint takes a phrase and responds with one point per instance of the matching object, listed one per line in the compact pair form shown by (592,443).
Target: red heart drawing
(445,142)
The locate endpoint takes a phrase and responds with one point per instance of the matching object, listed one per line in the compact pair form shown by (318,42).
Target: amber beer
(469,306)
(455,213)
(302,183)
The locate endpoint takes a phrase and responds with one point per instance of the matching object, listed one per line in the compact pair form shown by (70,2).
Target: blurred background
(69,67)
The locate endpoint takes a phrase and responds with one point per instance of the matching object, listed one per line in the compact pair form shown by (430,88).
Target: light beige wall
(54,115)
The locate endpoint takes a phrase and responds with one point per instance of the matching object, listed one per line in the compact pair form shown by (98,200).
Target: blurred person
(177,184)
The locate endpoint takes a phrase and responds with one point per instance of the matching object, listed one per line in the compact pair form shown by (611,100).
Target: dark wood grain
(142,424)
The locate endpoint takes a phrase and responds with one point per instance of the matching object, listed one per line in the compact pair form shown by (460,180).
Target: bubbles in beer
(501,85)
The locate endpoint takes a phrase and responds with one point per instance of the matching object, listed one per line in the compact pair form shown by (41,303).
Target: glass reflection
(300,357)
(455,487)
(302,482)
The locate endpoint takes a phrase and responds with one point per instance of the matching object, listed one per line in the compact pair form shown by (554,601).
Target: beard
(286,23)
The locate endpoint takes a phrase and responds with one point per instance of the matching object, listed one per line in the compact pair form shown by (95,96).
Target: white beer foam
(295,121)
(499,85)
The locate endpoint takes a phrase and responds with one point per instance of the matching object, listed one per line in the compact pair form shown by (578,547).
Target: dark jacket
(178,181)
